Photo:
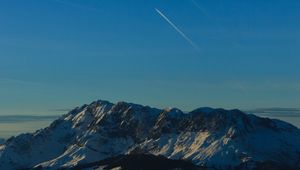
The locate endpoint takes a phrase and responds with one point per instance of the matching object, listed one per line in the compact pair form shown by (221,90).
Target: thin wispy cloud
(276,109)
(194,45)
(60,110)
(18,82)
(77,5)
(277,112)
(25,118)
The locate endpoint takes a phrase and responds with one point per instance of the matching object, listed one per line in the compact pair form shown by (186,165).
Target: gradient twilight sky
(58,54)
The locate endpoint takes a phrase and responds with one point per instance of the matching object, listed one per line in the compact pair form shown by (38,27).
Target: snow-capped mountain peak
(210,137)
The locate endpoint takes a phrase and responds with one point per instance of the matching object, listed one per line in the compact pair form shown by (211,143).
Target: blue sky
(57,54)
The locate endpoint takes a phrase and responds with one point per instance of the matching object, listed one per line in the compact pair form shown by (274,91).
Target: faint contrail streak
(217,24)
(202,9)
(194,45)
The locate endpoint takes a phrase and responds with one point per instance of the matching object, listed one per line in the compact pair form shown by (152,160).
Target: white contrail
(194,45)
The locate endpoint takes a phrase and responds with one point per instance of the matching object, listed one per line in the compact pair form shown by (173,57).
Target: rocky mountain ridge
(218,138)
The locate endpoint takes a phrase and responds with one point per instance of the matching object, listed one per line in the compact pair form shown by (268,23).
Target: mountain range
(205,137)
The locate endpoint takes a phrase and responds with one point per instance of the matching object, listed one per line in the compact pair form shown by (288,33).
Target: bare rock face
(223,139)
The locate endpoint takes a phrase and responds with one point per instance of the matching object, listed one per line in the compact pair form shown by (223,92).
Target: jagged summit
(212,137)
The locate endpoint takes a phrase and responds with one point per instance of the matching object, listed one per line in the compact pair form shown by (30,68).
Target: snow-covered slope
(211,137)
